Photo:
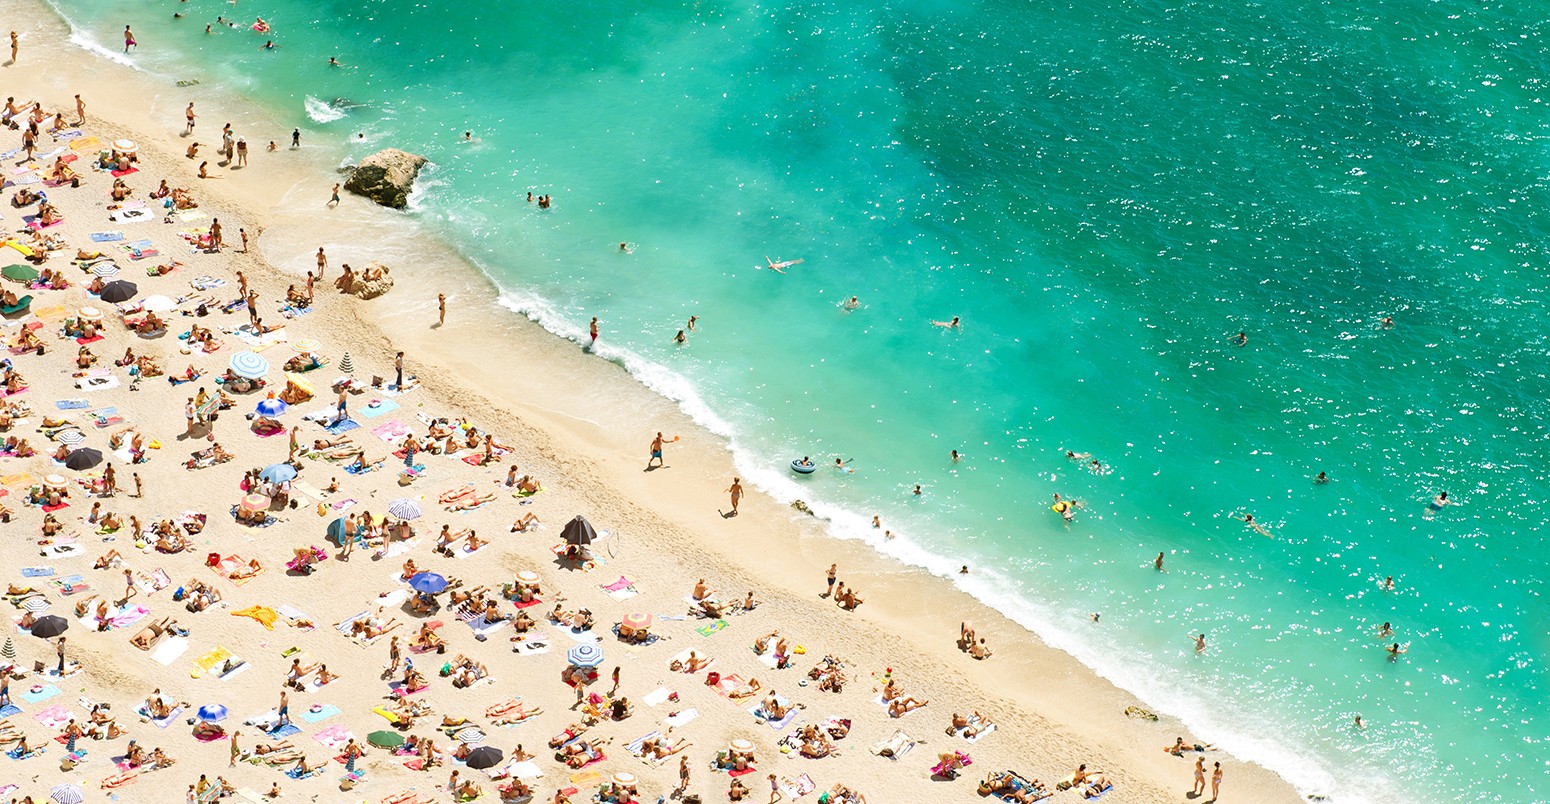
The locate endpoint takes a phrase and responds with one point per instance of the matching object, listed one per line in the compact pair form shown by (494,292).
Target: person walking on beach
(343,410)
(80,111)
(441,309)
(834,572)
(296,138)
(592,329)
(333,200)
(188,114)
(1216,782)
(129,39)
(322,262)
(1200,777)
(283,714)
(683,774)
(235,751)
(737,494)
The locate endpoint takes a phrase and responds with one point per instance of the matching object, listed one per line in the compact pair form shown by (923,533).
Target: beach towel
(712,628)
(163,723)
(106,237)
(334,736)
(282,732)
(622,589)
(680,719)
(791,713)
(391,432)
(896,746)
(264,615)
(10,710)
(55,717)
(170,650)
(378,407)
(48,691)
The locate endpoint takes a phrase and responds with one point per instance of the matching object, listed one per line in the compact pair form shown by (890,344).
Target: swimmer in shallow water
(852,303)
(1440,500)
(1322,478)
(953,324)
(1241,339)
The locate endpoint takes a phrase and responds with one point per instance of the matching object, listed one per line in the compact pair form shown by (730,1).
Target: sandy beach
(577,424)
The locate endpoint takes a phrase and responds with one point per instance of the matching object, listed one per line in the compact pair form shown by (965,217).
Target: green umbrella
(385,739)
(20,273)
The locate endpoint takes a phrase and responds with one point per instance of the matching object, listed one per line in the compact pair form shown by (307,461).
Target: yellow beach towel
(209,661)
(263,614)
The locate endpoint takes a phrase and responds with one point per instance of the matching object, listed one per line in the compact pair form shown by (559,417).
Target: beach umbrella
(579,531)
(741,746)
(302,383)
(638,620)
(70,437)
(89,314)
(19,273)
(105,270)
(306,345)
(124,146)
(255,502)
(8,652)
(118,291)
(385,739)
(83,458)
(625,778)
(67,794)
(484,757)
(54,481)
(272,406)
(528,576)
(585,655)
(345,365)
(404,508)
(278,473)
(427,582)
(210,713)
(249,365)
(158,304)
(34,605)
(50,626)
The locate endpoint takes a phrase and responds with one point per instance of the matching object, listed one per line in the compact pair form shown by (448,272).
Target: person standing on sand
(296,138)
(736,491)
(1216,782)
(834,572)
(322,262)
(59,648)
(398,369)
(333,200)
(344,405)
(656,449)
(683,774)
(15,46)
(80,111)
(441,309)
(129,39)
(1200,777)
(235,751)
(283,714)
(189,115)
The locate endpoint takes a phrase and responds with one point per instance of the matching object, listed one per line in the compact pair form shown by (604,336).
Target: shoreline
(580,416)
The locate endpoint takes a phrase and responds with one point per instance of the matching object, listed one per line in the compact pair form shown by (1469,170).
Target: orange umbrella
(255,502)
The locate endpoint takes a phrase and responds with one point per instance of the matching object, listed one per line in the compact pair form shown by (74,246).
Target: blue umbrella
(278,473)
(212,712)
(587,655)
(428,582)
(271,406)
(249,365)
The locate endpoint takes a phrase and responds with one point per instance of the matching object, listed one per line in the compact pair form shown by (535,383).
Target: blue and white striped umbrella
(67,794)
(71,437)
(404,508)
(586,655)
(272,406)
(105,269)
(249,365)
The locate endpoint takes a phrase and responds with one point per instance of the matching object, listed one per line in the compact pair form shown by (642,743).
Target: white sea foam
(321,111)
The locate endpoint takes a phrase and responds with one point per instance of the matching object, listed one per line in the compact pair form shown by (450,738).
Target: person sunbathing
(899,707)
(469,502)
(694,663)
(248,570)
(367,629)
(712,609)
(208,731)
(748,690)
(849,600)
(324,677)
(108,560)
(427,639)
(774,709)
(577,754)
(529,485)
(522,623)
(524,523)
(173,543)
(148,636)
(980,650)
(738,791)
(571,732)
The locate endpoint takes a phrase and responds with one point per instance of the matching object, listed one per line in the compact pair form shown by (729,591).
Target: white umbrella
(67,794)
(35,605)
(404,508)
(90,313)
(105,269)
(124,146)
(306,345)
(158,304)
(70,437)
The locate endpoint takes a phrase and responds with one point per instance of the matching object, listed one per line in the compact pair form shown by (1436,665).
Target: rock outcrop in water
(379,284)
(386,177)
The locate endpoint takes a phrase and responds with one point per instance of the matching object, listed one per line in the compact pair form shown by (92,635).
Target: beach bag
(213,560)
(712,678)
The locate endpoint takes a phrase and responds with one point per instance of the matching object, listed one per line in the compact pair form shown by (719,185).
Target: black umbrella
(579,531)
(83,458)
(484,757)
(119,291)
(50,626)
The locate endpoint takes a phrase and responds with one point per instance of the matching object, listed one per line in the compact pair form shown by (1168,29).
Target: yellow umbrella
(298,381)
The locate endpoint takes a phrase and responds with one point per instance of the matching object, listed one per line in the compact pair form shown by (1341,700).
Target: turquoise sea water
(1105,192)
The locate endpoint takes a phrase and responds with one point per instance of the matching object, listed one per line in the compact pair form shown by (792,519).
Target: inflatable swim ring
(1060,507)
(803,469)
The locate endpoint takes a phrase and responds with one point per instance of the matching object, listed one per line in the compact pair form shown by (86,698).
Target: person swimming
(1440,500)
(953,324)
(780,267)
(852,303)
